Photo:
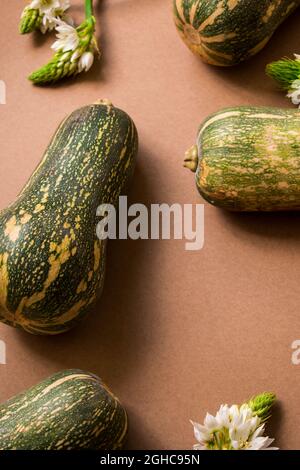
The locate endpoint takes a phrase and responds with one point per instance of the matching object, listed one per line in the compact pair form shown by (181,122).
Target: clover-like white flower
(287,73)
(43,15)
(85,61)
(294,93)
(74,52)
(67,38)
(233,428)
(50,6)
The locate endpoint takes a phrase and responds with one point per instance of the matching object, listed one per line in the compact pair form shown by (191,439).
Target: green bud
(30,21)
(261,405)
(285,72)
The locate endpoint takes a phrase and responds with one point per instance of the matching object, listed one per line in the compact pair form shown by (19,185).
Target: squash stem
(89,10)
(191,159)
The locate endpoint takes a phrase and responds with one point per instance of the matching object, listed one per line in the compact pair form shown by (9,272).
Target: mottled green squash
(51,262)
(71,410)
(226,32)
(248,159)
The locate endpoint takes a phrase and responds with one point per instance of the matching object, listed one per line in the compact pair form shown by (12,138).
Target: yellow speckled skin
(249,159)
(51,262)
(226,32)
(72,410)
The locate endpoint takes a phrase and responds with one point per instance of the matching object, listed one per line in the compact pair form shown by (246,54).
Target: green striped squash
(52,263)
(226,32)
(71,410)
(248,159)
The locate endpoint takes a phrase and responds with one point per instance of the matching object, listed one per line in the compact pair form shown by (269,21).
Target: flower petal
(210,422)
(86,61)
(199,447)
(200,432)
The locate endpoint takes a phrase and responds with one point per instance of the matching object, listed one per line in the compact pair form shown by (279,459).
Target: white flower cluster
(74,47)
(294,93)
(50,11)
(69,40)
(233,428)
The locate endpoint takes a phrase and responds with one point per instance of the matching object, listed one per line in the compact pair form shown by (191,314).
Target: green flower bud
(285,72)
(261,405)
(30,21)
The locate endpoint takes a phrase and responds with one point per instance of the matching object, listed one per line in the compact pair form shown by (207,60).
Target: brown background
(176,333)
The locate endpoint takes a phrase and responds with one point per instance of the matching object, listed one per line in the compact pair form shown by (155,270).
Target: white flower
(233,428)
(85,62)
(50,11)
(259,442)
(294,94)
(67,38)
(48,23)
(74,52)
(50,7)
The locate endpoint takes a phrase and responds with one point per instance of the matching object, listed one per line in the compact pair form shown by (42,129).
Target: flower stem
(89,11)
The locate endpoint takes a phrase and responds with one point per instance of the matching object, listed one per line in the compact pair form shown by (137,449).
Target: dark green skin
(247,26)
(72,410)
(249,159)
(52,266)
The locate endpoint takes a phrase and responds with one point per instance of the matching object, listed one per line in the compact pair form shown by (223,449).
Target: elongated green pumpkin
(71,410)
(226,32)
(248,159)
(51,261)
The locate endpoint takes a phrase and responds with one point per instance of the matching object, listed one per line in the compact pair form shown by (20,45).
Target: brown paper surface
(175,333)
